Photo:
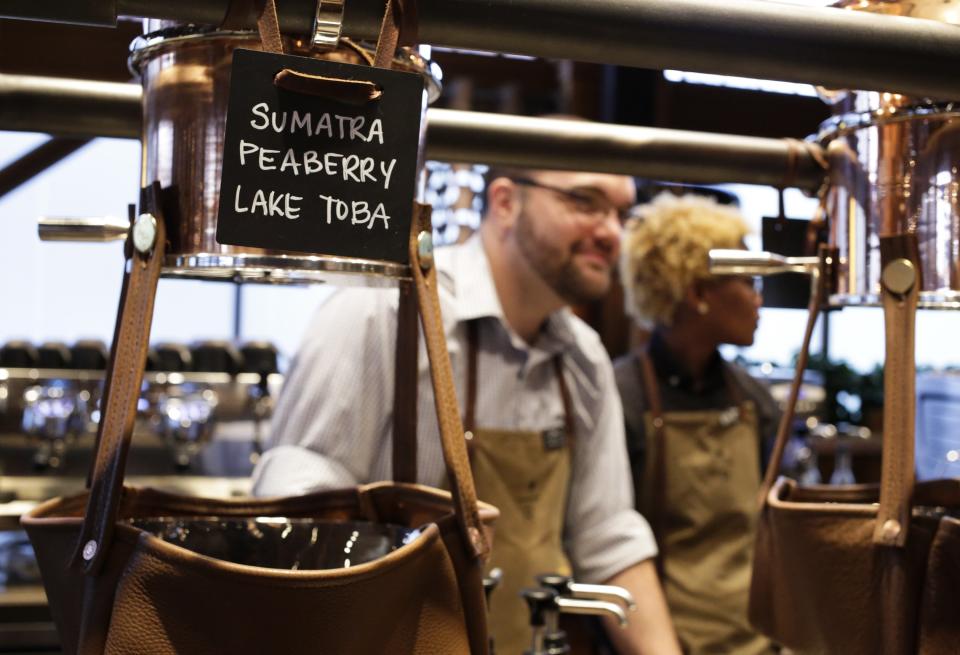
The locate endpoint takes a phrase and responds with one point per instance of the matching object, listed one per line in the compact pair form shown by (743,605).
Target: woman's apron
(699,490)
(526,475)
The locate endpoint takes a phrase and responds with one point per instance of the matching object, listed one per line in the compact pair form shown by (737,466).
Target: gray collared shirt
(332,424)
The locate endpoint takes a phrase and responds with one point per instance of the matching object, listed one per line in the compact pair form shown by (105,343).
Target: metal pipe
(827,46)
(98,229)
(69,107)
(672,155)
(747,262)
(78,108)
(36,161)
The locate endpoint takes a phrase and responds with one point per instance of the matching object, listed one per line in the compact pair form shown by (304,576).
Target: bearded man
(537,394)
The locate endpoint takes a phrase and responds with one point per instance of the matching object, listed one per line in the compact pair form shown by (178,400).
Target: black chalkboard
(313,174)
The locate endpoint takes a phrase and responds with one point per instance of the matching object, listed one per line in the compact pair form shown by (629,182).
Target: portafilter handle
(565,586)
(93,229)
(746,262)
(593,607)
(609,593)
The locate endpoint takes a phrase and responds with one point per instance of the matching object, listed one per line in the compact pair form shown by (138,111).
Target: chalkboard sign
(315,174)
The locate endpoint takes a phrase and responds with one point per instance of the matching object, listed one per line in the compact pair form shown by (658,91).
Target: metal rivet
(899,276)
(658,422)
(468,435)
(89,550)
(144,233)
(425,249)
(891,529)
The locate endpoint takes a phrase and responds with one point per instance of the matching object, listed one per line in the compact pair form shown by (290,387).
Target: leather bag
(866,568)
(114,588)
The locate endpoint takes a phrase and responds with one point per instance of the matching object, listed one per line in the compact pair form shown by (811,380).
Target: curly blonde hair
(666,249)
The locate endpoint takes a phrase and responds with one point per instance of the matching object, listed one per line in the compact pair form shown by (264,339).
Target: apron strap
(651,394)
(470,410)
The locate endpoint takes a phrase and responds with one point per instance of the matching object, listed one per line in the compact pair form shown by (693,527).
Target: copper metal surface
(894,168)
(186,83)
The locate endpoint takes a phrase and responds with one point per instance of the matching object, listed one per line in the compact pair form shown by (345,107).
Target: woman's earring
(703,308)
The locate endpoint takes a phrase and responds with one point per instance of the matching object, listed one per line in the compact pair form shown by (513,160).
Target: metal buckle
(327,24)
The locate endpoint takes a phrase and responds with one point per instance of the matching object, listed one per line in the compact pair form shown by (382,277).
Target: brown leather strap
(448,410)
(351,92)
(818,286)
(899,397)
(125,376)
(565,397)
(107,384)
(658,485)
(405,386)
(269,27)
(389,34)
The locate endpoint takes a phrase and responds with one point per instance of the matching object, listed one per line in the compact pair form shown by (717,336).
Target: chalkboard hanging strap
(269,26)
(399,25)
(354,92)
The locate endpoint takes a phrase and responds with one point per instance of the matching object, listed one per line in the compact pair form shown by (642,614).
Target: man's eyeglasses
(590,204)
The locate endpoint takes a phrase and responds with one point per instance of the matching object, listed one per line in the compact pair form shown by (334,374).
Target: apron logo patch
(554,439)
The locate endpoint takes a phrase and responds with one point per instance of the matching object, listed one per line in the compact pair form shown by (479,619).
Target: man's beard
(557,266)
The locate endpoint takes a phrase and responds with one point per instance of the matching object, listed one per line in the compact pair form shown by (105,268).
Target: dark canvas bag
(871,569)
(114,588)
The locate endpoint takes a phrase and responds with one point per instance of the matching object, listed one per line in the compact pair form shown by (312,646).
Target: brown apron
(526,475)
(699,490)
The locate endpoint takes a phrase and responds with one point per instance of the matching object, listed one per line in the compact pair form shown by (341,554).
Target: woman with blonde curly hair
(696,424)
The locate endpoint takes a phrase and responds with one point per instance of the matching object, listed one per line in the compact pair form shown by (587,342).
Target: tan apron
(526,475)
(699,490)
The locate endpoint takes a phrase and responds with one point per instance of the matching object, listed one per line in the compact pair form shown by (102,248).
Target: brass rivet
(891,529)
(899,276)
(658,422)
(89,550)
(144,233)
(425,249)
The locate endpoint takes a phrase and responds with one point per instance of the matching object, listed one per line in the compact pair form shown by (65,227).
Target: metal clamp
(144,233)
(899,276)
(327,24)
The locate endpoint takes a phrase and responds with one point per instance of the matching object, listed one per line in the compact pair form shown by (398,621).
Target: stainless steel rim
(286,269)
(844,124)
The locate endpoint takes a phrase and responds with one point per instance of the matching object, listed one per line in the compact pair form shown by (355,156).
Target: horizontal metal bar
(654,153)
(747,262)
(97,229)
(755,38)
(77,108)
(69,107)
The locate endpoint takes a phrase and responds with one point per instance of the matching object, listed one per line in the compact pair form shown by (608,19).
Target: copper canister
(185,72)
(894,168)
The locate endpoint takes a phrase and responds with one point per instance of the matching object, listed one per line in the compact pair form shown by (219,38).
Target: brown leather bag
(114,588)
(864,568)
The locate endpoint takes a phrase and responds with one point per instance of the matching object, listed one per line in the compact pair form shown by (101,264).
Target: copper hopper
(893,169)
(185,72)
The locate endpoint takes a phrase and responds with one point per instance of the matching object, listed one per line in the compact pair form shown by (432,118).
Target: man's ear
(503,202)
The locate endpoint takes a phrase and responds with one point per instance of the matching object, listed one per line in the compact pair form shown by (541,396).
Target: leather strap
(658,486)
(899,397)
(125,375)
(269,26)
(445,397)
(405,386)
(818,287)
